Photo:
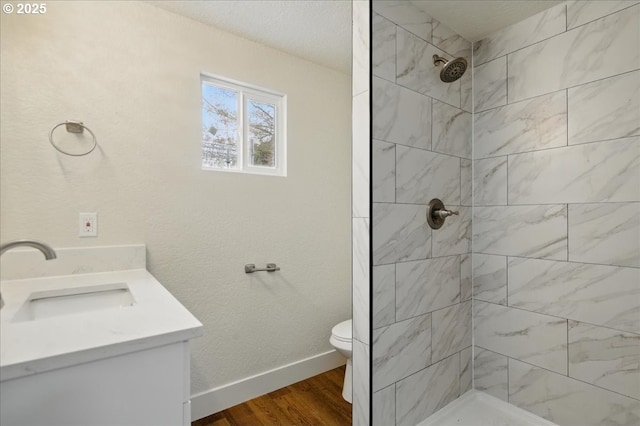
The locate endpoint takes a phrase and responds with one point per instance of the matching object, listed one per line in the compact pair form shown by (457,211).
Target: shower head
(452,70)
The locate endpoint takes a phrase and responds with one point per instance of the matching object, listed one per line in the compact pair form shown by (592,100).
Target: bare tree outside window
(219,127)
(243,128)
(262,133)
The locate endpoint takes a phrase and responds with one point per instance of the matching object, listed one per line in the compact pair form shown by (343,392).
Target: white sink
(67,301)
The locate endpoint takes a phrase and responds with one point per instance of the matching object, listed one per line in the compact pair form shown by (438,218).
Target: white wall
(131,72)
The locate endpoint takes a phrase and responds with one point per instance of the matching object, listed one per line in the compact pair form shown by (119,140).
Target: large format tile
(580,12)
(424,393)
(384,406)
(490,181)
(466,277)
(401,233)
(384,295)
(605,233)
(455,235)
(361,384)
(567,401)
(360,39)
(466,89)
(384,48)
(534,338)
(490,84)
(422,175)
(490,373)
(600,49)
(604,357)
(451,330)
(406,15)
(384,171)
(530,125)
(361,143)
(490,278)
(594,172)
(466,368)
(532,231)
(451,130)
(597,294)
(426,285)
(605,109)
(400,115)
(400,350)
(451,42)
(524,33)
(360,273)
(415,69)
(466,182)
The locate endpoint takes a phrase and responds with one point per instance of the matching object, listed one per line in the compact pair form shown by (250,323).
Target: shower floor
(477,408)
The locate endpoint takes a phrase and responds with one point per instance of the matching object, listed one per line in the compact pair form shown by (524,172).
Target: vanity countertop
(28,347)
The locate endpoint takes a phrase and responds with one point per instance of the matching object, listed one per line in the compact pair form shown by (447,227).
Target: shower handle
(437,213)
(445,213)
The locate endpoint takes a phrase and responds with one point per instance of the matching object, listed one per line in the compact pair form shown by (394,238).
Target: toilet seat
(342,331)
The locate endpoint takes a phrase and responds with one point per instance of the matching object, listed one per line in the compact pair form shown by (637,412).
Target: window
(243,128)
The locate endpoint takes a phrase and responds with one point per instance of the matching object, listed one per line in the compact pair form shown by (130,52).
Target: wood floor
(313,402)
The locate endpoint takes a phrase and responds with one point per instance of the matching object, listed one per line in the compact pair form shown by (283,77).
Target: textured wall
(556,223)
(421,278)
(130,71)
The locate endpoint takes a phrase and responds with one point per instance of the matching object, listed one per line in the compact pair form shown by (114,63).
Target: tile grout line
(551,260)
(506,269)
(567,30)
(568,348)
(508,381)
(506,77)
(557,90)
(555,372)
(621,138)
(558,317)
(395,291)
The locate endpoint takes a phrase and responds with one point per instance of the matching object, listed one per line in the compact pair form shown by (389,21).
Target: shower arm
(438,59)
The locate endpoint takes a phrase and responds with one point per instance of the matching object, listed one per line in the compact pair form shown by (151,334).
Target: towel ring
(73,127)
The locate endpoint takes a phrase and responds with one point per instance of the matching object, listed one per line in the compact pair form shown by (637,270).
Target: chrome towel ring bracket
(251,268)
(73,127)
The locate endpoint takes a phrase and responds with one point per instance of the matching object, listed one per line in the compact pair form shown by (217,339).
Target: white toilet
(341,340)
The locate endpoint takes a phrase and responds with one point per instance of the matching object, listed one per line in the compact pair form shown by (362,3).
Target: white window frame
(251,92)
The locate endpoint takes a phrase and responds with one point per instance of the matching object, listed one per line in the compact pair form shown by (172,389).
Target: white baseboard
(223,397)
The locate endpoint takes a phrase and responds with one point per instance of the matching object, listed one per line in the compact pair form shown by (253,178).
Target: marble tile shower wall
(421,148)
(556,220)
(361,142)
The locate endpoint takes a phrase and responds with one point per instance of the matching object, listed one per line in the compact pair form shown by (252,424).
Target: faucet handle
(445,213)
(437,213)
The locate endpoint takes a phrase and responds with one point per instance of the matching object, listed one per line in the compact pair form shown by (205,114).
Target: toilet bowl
(341,341)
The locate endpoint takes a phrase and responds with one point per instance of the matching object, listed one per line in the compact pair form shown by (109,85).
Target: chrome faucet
(48,252)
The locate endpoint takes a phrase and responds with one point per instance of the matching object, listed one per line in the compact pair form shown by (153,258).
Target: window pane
(219,127)
(262,133)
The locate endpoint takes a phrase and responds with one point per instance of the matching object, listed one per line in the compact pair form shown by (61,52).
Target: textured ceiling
(475,19)
(316,30)
(320,30)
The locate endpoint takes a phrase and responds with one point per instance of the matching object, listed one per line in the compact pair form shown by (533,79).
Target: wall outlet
(88,225)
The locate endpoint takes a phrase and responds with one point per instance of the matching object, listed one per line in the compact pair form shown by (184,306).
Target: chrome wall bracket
(251,268)
(437,213)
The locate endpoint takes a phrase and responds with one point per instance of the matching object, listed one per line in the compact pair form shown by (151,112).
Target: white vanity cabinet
(108,346)
(149,387)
